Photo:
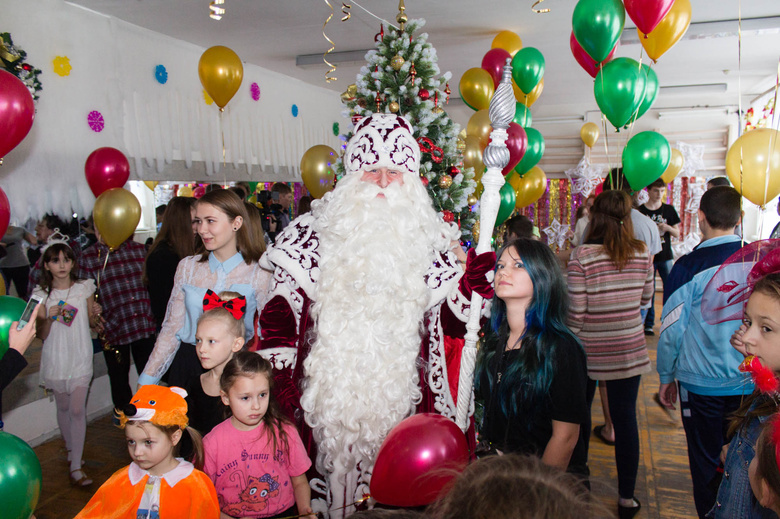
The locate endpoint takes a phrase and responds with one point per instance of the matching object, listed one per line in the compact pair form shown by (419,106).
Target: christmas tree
(401,76)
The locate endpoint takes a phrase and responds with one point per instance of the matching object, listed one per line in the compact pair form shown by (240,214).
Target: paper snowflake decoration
(585,177)
(556,233)
(95,121)
(695,191)
(255,91)
(160,74)
(642,197)
(61,66)
(693,158)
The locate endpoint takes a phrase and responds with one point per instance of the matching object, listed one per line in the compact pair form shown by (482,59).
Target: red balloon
(647,14)
(198,192)
(417,459)
(584,59)
(516,143)
(106,168)
(5,212)
(494,62)
(17,112)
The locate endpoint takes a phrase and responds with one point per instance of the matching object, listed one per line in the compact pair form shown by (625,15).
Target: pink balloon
(584,59)
(417,459)
(17,112)
(198,192)
(647,14)
(5,212)
(494,62)
(516,143)
(106,168)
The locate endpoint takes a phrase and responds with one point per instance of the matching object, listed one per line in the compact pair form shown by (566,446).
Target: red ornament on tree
(424,94)
(412,72)
(448,92)
(380,36)
(448,216)
(378,101)
(453,170)
(424,180)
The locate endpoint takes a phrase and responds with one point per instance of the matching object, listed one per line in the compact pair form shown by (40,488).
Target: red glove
(474,279)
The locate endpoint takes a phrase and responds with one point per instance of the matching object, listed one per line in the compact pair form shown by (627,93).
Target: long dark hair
(229,203)
(250,364)
(51,253)
(610,223)
(176,230)
(526,381)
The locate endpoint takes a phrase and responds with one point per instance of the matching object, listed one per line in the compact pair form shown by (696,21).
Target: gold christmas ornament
(475,231)
(394,106)
(472,199)
(437,110)
(349,94)
(402,18)
(397,62)
(445,181)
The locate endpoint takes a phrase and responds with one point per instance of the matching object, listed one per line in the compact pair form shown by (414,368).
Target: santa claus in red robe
(368,305)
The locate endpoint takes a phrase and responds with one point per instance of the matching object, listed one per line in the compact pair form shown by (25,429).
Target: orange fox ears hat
(162,406)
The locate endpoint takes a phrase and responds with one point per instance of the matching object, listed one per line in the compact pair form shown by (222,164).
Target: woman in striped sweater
(610,277)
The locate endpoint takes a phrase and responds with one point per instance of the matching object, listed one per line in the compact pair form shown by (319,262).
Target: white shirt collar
(182,470)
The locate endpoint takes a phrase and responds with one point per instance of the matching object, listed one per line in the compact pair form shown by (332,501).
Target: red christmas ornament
(412,72)
(448,216)
(453,170)
(380,36)
(27,67)
(448,92)
(427,146)
(378,101)
(424,94)
(424,180)
(356,119)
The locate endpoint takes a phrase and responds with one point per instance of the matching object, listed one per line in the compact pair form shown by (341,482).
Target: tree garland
(12,59)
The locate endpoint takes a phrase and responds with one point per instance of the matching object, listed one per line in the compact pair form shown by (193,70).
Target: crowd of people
(295,361)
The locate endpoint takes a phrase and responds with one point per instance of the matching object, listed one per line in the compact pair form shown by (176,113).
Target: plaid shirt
(121,292)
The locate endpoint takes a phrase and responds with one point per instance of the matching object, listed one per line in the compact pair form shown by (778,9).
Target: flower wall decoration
(95,121)
(254,89)
(160,74)
(61,66)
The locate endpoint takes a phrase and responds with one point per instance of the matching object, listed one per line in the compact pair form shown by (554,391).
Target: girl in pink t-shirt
(256,458)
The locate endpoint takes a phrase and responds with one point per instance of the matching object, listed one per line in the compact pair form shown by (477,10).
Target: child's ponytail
(197,447)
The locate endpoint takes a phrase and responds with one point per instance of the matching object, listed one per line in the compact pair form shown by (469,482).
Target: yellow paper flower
(207,98)
(61,65)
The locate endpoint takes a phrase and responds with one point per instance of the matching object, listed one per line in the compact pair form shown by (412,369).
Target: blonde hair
(235,326)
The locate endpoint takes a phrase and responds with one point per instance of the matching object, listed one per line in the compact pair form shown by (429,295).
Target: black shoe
(628,512)
(649,331)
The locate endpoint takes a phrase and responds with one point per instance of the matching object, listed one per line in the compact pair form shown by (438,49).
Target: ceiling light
(704,88)
(704,111)
(561,119)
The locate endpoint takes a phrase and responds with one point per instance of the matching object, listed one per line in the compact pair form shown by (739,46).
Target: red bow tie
(236,306)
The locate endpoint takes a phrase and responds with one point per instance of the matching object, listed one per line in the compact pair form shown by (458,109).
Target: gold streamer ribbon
(216,11)
(540,10)
(328,77)
(345,10)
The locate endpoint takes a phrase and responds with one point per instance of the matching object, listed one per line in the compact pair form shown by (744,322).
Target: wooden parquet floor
(663,483)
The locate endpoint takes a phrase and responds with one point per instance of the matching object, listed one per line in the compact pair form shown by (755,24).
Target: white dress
(66,360)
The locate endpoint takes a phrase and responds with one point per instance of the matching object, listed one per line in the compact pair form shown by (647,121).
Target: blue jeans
(663,268)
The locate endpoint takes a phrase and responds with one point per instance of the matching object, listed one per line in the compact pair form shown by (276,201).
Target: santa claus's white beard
(362,373)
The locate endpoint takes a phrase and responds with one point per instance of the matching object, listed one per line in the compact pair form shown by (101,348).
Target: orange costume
(189,497)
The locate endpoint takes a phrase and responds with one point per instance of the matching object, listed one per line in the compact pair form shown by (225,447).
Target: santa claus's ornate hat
(383,141)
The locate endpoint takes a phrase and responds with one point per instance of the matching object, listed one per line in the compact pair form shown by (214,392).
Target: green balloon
(527,68)
(507,194)
(619,90)
(523,115)
(11,309)
(645,158)
(533,152)
(252,188)
(651,91)
(597,25)
(20,477)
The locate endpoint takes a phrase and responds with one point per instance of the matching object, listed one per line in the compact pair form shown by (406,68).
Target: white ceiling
(272,34)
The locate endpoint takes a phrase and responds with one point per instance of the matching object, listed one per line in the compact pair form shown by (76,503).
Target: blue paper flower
(295,110)
(160,74)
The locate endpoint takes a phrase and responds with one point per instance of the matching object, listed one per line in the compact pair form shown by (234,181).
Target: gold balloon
(472,156)
(478,189)
(317,169)
(675,166)
(185,191)
(479,126)
(508,41)
(669,30)
(151,184)
(3,289)
(589,133)
(220,71)
(758,153)
(530,187)
(476,88)
(116,213)
(531,97)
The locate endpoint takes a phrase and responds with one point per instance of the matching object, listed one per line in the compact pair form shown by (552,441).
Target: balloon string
(224,150)
(328,77)
(102,335)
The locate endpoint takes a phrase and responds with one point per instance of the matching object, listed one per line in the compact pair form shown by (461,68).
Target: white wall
(153,124)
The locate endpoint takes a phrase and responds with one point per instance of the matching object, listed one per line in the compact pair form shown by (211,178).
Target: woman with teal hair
(531,371)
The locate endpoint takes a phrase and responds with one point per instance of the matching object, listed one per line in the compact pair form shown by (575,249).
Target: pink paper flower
(95,121)
(255,90)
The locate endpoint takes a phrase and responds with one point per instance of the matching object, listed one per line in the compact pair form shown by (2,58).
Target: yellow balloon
(317,169)
(472,156)
(531,97)
(476,88)
(116,213)
(669,31)
(508,41)
(589,133)
(185,191)
(758,153)
(479,189)
(532,186)
(479,126)
(151,184)
(3,289)
(675,166)
(220,71)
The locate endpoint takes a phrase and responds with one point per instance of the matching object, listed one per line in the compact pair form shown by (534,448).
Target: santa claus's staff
(495,157)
